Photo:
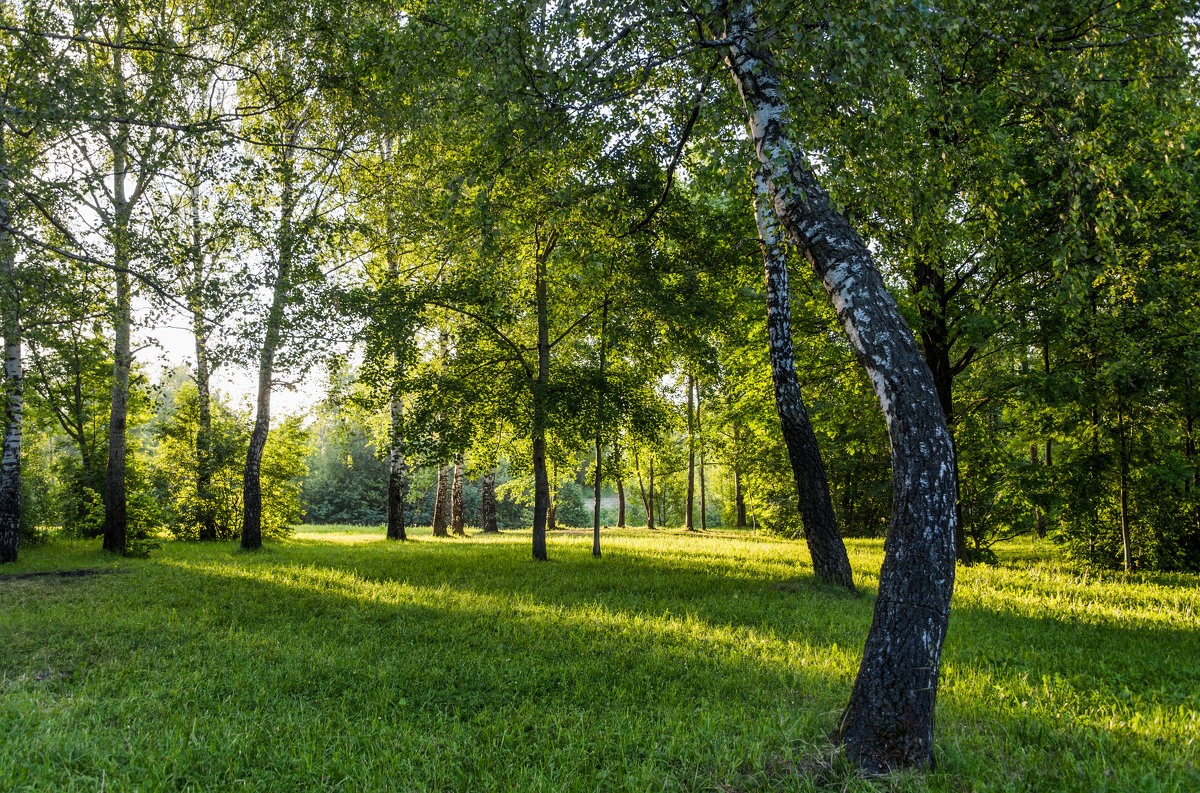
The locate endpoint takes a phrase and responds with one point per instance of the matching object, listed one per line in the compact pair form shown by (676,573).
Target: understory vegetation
(684,661)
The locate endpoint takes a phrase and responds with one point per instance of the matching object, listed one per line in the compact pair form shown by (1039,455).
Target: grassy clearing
(338,661)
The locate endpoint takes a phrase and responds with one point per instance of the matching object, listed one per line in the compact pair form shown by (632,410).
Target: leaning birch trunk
(888,722)
(251,478)
(830,560)
(487,503)
(14,403)
(457,519)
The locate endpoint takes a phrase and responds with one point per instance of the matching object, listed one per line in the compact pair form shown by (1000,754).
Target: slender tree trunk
(541,484)
(397,465)
(691,439)
(252,476)
(642,489)
(1123,440)
(552,512)
(936,341)
(599,427)
(10,462)
(397,473)
(457,519)
(650,508)
(487,503)
(115,515)
(830,561)
(441,501)
(14,373)
(739,497)
(206,519)
(620,484)
(888,722)
(1039,521)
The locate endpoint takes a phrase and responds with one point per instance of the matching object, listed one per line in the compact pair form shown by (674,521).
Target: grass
(338,661)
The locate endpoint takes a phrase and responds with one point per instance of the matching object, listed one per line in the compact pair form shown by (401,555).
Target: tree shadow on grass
(645,669)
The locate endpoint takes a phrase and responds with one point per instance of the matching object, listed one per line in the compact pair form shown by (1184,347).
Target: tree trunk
(620,485)
(599,427)
(888,722)
(397,492)
(10,462)
(739,498)
(829,558)
(1039,521)
(206,518)
(252,476)
(397,474)
(14,374)
(700,454)
(457,520)
(441,502)
(642,489)
(552,512)
(650,509)
(1123,440)
(691,439)
(487,503)
(929,281)
(115,515)
(541,483)
(115,512)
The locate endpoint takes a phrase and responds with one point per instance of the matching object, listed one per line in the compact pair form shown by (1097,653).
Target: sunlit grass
(341,661)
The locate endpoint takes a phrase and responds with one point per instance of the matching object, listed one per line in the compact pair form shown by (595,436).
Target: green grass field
(709,662)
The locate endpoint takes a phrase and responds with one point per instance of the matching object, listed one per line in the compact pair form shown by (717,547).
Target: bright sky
(177,347)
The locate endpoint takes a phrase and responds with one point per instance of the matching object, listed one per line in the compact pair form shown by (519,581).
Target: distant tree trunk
(650,509)
(206,519)
(599,427)
(541,483)
(700,454)
(252,476)
(441,501)
(552,512)
(829,558)
(487,503)
(397,492)
(888,722)
(14,376)
(691,440)
(1123,451)
(457,520)
(397,474)
(620,503)
(929,283)
(1039,522)
(642,489)
(739,497)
